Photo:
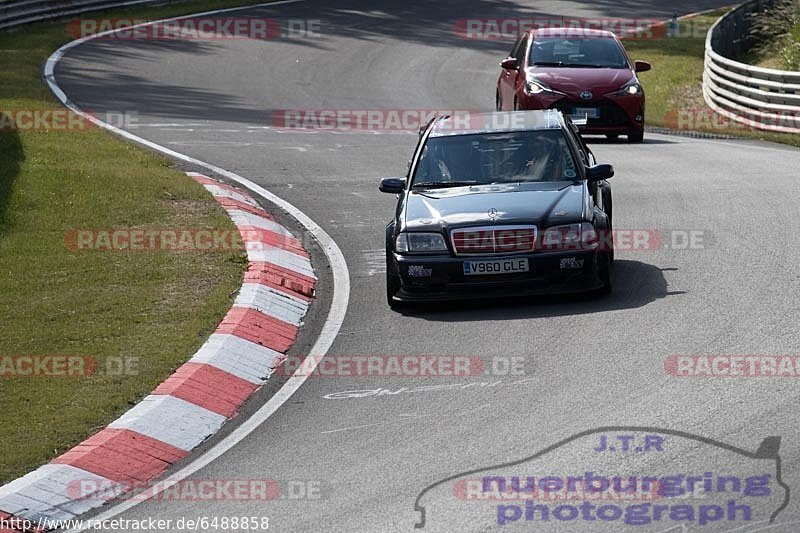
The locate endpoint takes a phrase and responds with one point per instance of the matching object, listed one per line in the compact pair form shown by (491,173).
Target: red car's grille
(494,240)
(610,113)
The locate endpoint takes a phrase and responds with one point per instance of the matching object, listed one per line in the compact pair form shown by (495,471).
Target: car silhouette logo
(504,493)
(586,95)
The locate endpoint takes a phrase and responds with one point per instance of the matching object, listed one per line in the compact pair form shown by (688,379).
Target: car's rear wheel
(497,105)
(636,137)
(516,104)
(612,136)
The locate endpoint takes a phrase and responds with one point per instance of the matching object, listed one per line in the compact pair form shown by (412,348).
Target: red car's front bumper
(610,114)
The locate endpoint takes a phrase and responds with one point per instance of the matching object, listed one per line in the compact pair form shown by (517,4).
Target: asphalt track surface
(588,363)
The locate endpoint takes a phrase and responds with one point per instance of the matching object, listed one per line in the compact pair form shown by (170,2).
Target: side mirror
(599,172)
(642,66)
(392,185)
(509,63)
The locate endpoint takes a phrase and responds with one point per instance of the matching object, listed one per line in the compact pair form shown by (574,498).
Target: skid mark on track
(407,417)
(375,262)
(350,428)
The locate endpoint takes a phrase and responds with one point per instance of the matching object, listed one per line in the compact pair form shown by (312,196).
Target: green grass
(674,85)
(783,53)
(155,308)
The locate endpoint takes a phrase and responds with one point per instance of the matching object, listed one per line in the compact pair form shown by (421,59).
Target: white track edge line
(341,276)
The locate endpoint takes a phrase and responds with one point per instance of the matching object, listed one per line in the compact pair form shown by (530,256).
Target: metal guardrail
(17,12)
(762,98)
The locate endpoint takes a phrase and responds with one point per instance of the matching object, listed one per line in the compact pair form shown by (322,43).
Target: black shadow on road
(590,139)
(636,284)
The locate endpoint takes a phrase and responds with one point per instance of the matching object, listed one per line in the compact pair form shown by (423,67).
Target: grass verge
(783,53)
(674,86)
(149,310)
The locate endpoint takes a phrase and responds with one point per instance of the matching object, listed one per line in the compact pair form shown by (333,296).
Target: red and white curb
(193,403)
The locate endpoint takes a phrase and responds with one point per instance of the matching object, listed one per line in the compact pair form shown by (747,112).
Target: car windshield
(480,159)
(586,52)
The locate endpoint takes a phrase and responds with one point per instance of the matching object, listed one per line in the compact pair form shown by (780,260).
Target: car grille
(494,240)
(610,113)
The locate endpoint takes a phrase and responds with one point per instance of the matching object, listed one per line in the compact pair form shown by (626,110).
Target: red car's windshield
(588,52)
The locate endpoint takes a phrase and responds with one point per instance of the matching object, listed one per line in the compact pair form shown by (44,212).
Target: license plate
(590,112)
(495,266)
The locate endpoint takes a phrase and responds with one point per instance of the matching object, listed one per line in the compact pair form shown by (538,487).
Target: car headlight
(537,87)
(632,88)
(581,236)
(420,243)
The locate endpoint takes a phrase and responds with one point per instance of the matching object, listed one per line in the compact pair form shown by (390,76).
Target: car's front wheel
(392,288)
(636,137)
(608,207)
(604,273)
(392,281)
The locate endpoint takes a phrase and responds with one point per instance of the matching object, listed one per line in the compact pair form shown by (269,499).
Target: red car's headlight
(632,88)
(537,87)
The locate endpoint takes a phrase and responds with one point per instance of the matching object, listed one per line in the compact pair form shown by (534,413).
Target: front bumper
(431,278)
(621,115)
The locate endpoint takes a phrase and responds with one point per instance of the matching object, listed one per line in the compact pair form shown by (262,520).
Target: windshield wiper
(548,63)
(607,65)
(443,184)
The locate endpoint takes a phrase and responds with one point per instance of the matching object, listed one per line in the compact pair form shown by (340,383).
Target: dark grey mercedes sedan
(499,204)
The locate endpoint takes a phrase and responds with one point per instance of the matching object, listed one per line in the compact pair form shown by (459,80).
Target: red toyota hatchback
(585,74)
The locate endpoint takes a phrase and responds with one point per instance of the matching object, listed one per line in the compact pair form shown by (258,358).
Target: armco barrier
(766,99)
(18,12)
